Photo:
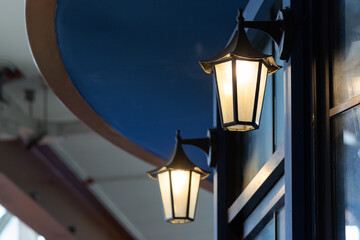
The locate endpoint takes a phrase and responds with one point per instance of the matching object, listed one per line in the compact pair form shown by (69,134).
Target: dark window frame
(326,158)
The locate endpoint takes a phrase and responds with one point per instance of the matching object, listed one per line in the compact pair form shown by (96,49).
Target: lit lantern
(179,181)
(240,73)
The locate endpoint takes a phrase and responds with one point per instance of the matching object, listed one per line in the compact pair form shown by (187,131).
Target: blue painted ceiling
(136,64)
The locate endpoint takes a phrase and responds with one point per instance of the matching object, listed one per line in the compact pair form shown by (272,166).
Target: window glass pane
(268,233)
(346,63)
(347,159)
(281,224)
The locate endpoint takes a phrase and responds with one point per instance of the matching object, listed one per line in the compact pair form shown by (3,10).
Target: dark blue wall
(136,64)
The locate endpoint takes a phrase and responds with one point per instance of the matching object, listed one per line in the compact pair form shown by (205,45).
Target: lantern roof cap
(178,161)
(240,48)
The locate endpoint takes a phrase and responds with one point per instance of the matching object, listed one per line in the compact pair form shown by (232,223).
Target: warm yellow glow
(246,80)
(180,181)
(223,73)
(164,182)
(179,193)
(228,88)
(246,72)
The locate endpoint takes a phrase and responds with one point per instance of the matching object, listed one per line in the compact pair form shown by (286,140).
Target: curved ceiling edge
(40,25)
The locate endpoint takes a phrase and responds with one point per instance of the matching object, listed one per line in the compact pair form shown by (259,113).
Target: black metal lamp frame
(207,145)
(240,48)
(179,161)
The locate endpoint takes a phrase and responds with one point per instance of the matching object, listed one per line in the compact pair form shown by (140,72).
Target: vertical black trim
(274,108)
(324,198)
(197,196)
(172,196)
(257,94)
(334,28)
(188,201)
(275,216)
(299,172)
(336,45)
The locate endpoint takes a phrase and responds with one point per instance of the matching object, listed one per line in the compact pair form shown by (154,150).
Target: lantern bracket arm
(280,31)
(207,145)
(202,143)
(272,28)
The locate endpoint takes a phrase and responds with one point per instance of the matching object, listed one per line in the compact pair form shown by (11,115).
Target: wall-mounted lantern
(179,181)
(241,72)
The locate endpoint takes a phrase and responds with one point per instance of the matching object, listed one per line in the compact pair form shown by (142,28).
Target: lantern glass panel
(164,182)
(263,78)
(224,82)
(180,181)
(195,182)
(247,76)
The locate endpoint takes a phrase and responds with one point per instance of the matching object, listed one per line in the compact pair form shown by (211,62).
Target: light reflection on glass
(281,224)
(349,138)
(2,211)
(268,233)
(346,130)
(12,228)
(352,233)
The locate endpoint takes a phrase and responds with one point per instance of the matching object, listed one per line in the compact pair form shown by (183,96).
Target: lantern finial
(178,137)
(240,17)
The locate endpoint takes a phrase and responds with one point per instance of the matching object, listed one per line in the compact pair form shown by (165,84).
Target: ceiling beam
(57,190)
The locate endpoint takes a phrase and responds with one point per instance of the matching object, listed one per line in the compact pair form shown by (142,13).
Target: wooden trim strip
(40,25)
(57,166)
(44,178)
(344,106)
(266,178)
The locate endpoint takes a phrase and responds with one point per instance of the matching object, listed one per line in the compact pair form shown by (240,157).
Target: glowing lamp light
(179,181)
(240,73)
